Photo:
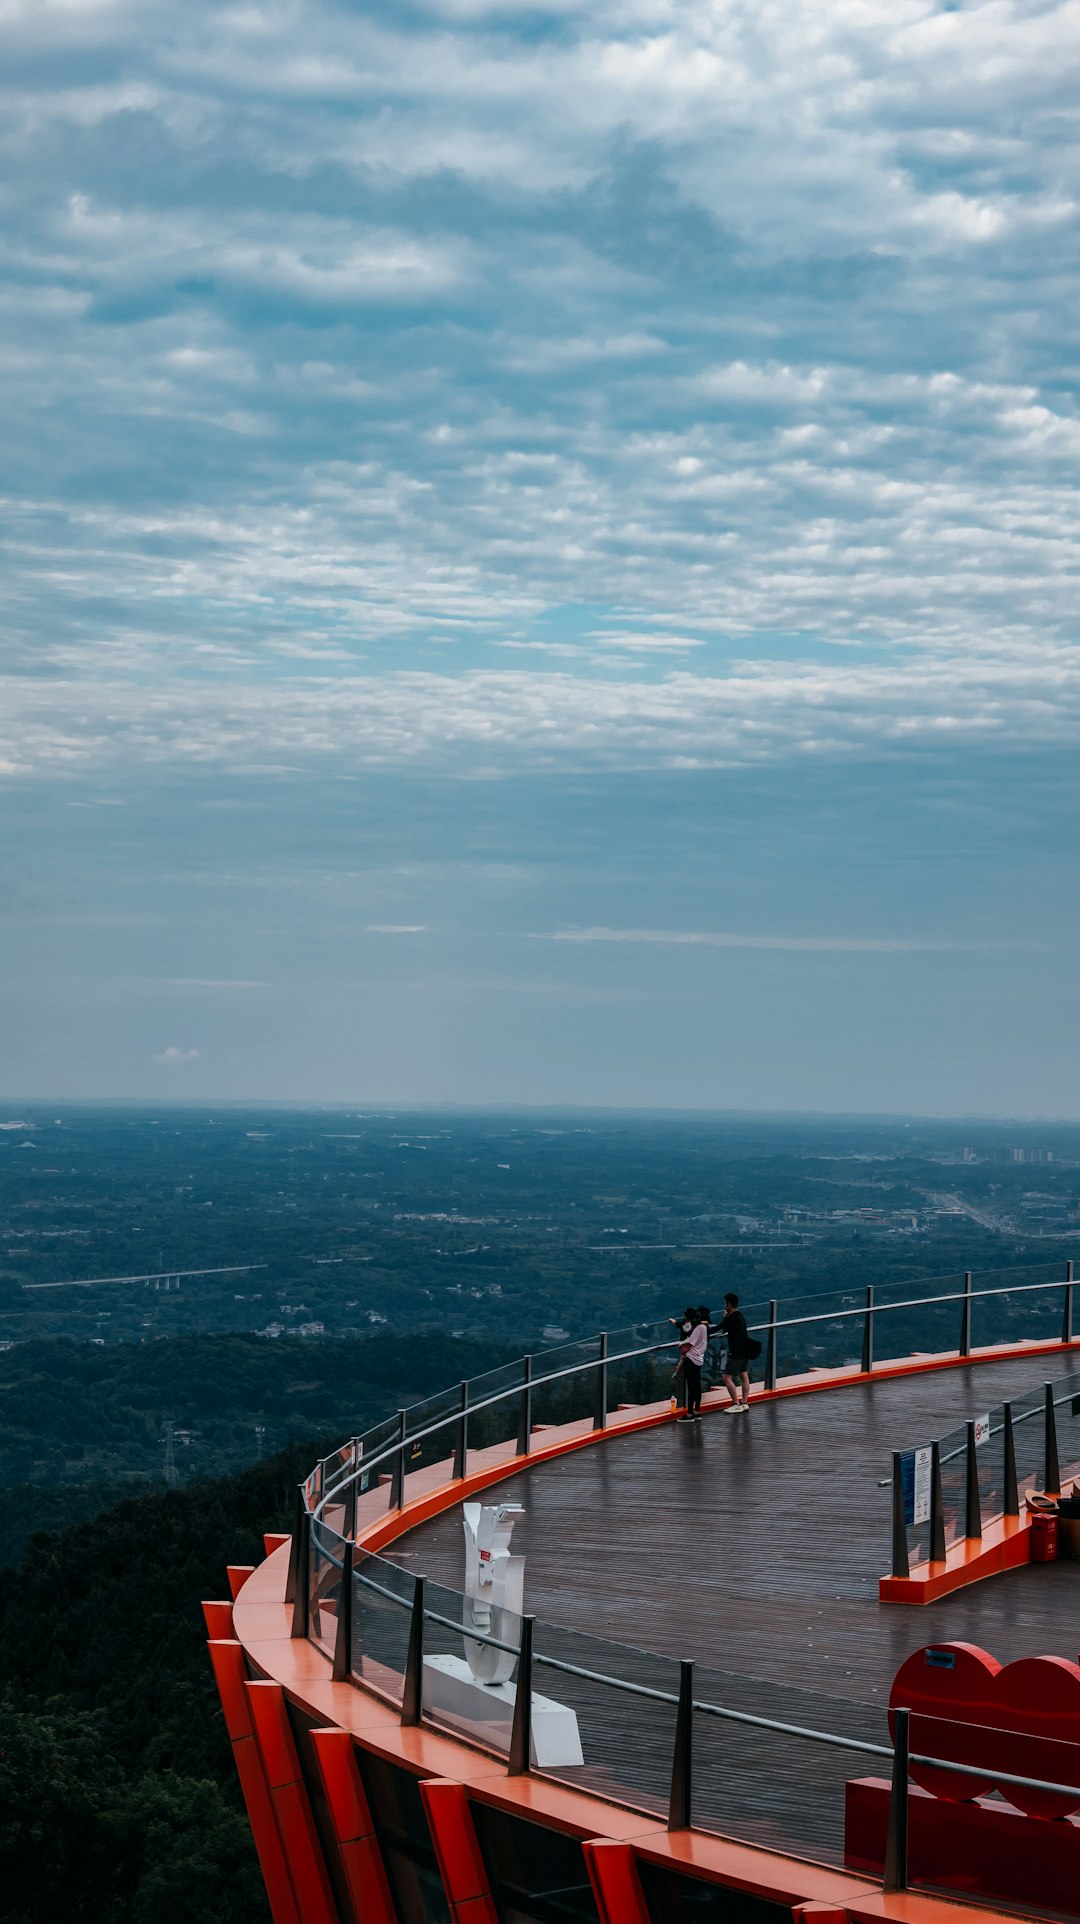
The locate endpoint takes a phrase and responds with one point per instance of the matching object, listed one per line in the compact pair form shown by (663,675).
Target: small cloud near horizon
(173,1057)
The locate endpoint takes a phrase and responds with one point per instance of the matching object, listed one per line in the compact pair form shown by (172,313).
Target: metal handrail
(861,1744)
(353,1464)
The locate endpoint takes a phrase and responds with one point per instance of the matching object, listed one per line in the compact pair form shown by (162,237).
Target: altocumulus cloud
(443,385)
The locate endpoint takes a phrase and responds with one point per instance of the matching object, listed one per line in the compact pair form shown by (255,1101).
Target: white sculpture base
(452,1693)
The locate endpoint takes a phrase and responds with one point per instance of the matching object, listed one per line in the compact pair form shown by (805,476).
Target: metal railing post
(397,1476)
(348,1528)
(412,1689)
(461,1436)
(303,1578)
(895,1877)
(599,1421)
(868,1332)
(342,1669)
(900,1565)
(972,1505)
(937,1508)
(1011,1491)
(1052,1478)
(770,1352)
(519,1761)
(524,1435)
(294,1549)
(965,1316)
(680,1802)
(1067,1311)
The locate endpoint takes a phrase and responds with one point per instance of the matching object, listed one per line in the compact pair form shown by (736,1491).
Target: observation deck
(705,1599)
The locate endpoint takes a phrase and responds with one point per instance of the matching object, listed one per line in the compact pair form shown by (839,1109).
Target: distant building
(554,1333)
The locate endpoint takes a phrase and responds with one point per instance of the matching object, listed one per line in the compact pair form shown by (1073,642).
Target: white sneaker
(732,1409)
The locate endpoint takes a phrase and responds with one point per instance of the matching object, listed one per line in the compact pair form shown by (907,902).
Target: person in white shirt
(692,1350)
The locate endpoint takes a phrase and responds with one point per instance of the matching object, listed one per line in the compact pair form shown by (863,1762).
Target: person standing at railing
(684,1324)
(738,1338)
(692,1350)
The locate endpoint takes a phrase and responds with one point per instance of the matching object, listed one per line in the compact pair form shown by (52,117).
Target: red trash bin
(1044,1537)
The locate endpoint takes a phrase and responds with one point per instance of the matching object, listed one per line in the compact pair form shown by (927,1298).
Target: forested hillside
(77,1422)
(118,1799)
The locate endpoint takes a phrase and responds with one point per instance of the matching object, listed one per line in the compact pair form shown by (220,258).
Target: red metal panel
(983,1851)
(229,1671)
(230,1675)
(350,1814)
(616,1885)
(453,1833)
(238,1574)
(292,1808)
(218,1619)
(272,1543)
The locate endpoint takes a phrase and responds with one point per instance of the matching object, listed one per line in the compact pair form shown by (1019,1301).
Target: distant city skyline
(540,556)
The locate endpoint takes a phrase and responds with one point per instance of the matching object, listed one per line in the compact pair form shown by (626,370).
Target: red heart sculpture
(966,1709)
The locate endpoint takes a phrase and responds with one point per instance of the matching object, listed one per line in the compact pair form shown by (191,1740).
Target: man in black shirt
(738,1357)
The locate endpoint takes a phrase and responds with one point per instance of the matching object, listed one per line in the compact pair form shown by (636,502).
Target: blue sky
(540,553)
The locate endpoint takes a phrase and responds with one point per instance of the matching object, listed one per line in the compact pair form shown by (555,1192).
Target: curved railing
(981,1471)
(655,1733)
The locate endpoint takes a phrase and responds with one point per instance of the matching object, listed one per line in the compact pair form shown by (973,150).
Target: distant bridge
(158,1276)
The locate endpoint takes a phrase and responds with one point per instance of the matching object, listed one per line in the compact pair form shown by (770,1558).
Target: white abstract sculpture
(479,1697)
(494,1588)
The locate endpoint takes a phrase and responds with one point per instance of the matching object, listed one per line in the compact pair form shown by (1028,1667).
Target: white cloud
(798,944)
(173,1057)
(395,928)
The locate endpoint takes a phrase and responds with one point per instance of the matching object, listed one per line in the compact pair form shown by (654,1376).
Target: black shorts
(738,1366)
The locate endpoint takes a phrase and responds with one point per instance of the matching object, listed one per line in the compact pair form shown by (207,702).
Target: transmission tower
(172,1474)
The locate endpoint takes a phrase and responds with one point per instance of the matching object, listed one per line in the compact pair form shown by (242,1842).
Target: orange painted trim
(292,1807)
(819,1914)
(354,1828)
(1005,1544)
(230,1672)
(218,1619)
(615,1883)
(238,1574)
(457,1849)
(274,1541)
(387,1528)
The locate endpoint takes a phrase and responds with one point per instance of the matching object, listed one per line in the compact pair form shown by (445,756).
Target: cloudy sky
(540,552)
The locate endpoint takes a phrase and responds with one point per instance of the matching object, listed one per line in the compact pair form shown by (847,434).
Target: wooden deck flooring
(754,1544)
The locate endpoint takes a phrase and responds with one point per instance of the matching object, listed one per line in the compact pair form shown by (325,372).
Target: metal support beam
(972,1505)
(342,1670)
(303,1577)
(900,1565)
(461,1435)
(599,1421)
(680,1803)
(868,1332)
(1051,1467)
(896,1843)
(520,1760)
(524,1435)
(965,1316)
(397,1475)
(412,1692)
(937,1508)
(770,1350)
(1067,1311)
(1011,1489)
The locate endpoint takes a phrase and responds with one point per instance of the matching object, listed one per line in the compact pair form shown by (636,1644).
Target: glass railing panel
(478,1708)
(324,1585)
(767,1787)
(382,1605)
(626,1740)
(1029,1433)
